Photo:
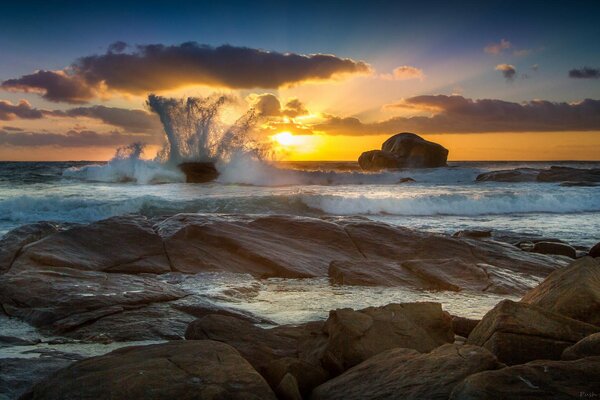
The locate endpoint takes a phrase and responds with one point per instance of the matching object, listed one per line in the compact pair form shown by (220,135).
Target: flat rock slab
(517,333)
(573,291)
(542,379)
(176,370)
(407,374)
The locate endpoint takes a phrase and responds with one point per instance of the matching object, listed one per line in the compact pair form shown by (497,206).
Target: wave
(467,204)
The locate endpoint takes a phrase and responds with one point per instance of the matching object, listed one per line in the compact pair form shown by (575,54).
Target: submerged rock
(573,291)
(542,379)
(574,176)
(404,150)
(191,369)
(517,333)
(199,172)
(402,373)
(354,336)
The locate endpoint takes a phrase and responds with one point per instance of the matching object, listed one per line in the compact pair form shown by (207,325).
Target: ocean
(441,200)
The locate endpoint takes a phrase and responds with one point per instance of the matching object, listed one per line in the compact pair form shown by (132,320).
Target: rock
(517,333)
(586,347)
(257,345)
(570,176)
(560,249)
(175,370)
(473,233)
(13,241)
(579,184)
(430,274)
(463,326)
(513,175)
(406,180)
(404,150)
(120,244)
(573,291)
(354,336)
(264,246)
(402,373)
(199,172)
(564,174)
(541,379)
(595,251)
(18,375)
(375,160)
(288,389)
(274,353)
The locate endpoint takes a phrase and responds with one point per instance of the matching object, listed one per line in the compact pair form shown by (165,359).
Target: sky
(488,80)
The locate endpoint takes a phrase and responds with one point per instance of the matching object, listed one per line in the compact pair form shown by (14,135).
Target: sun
(285,139)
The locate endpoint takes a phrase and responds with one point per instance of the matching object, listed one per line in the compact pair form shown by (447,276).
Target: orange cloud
(405,72)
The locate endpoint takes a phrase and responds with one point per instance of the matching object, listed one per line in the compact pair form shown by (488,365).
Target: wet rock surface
(576,176)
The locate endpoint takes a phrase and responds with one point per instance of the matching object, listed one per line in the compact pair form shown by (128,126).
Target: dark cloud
(585,73)
(117,47)
(71,138)
(57,86)
(130,120)
(268,105)
(456,114)
(158,67)
(22,110)
(508,71)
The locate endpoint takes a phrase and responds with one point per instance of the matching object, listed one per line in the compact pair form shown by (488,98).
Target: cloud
(268,105)
(457,114)
(71,138)
(585,73)
(158,67)
(508,71)
(130,120)
(497,48)
(57,86)
(522,52)
(22,110)
(405,72)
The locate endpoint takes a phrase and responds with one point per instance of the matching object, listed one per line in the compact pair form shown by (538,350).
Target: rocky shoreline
(123,279)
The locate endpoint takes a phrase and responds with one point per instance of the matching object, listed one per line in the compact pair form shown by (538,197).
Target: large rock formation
(573,291)
(535,380)
(402,373)
(176,370)
(123,278)
(354,336)
(199,172)
(404,150)
(517,333)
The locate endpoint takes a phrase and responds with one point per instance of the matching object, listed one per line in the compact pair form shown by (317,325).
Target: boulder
(175,370)
(405,150)
(573,291)
(595,251)
(560,249)
(517,333)
(543,379)
(473,233)
(199,172)
(402,373)
(274,353)
(354,336)
(586,347)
